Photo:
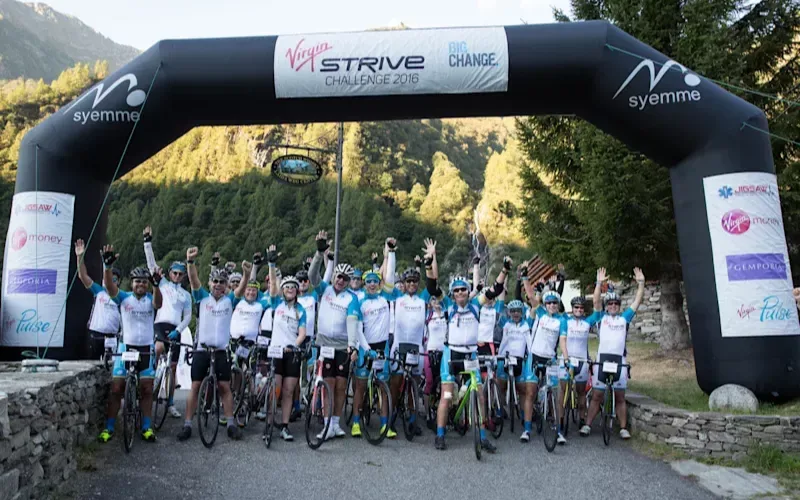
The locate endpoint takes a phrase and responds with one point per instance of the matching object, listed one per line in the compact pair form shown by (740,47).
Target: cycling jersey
(333,312)
(105,312)
(462,324)
(577,333)
(176,303)
(490,315)
(360,293)
(516,337)
(286,322)
(137,318)
(613,331)
(246,318)
(214,318)
(409,321)
(310,302)
(373,311)
(437,330)
(545,337)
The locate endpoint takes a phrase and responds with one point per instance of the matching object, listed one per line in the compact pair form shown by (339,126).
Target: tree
(606,205)
(448,200)
(501,200)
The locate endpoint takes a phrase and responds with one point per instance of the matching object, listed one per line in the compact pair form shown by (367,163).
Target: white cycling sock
(335,421)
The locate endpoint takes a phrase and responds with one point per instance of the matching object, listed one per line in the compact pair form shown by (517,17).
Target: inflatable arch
(730,230)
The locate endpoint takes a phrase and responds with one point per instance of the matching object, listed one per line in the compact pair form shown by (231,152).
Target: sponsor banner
(444,61)
(35,270)
(95,105)
(669,84)
(751,261)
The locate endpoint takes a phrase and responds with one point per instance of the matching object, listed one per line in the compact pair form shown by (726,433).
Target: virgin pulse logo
(41,208)
(20,237)
(301,55)
(726,192)
(771,308)
(640,102)
(134,99)
(738,221)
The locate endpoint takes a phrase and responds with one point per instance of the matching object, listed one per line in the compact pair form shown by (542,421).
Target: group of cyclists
(361,315)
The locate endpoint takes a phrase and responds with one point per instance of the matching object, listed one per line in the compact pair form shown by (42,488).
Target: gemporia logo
(756,266)
(134,99)
(651,98)
(32,281)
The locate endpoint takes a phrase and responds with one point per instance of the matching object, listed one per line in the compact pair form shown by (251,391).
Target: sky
(141,23)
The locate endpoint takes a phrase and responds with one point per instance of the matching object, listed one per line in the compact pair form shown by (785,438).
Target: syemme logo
(134,99)
(726,192)
(640,102)
(41,208)
(20,237)
(302,55)
(771,308)
(738,221)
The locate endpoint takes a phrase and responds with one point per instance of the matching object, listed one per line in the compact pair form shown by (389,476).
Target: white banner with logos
(751,261)
(435,61)
(35,269)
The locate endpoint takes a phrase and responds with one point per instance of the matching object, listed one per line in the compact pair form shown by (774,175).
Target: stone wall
(709,433)
(647,323)
(43,418)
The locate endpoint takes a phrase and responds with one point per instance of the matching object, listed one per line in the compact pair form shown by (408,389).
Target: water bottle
(259,381)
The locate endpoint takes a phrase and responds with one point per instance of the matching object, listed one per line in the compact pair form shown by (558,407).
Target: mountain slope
(39,42)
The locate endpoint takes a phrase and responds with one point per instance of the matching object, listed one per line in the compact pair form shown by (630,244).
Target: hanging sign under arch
(297,170)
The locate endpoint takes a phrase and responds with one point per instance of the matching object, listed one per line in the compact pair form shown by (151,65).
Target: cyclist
(234,279)
(612,333)
(174,315)
(288,330)
(574,341)
(544,341)
(335,302)
(213,330)
(516,338)
(104,319)
(463,320)
(373,312)
(435,338)
(356,284)
(137,310)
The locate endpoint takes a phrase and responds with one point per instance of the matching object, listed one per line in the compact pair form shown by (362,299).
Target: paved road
(351,469)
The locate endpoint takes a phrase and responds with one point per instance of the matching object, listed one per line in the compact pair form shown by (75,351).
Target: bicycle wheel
(475,422)
(495,409)
(349,397)
(608,419)
(513,406)
(538,412)
(271,406)
(208,411)
(433,408)
(376,396)
(409,405)
(241,413)
(129,414)
(237,386)
(550,425)
(161,396)
(320,403)
(568,407)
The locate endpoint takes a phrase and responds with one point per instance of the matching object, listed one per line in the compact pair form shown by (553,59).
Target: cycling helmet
(515,304)
(178,266)
(219,274)
(253,284)
(235,277)
(611,295)
(357,273)
(550,296)
(302,275)
(459,282)
(343,269)
(139,273)
(577,301)
(411,274)
(289,280)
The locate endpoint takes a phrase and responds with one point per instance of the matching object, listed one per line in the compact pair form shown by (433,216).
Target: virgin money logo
(302,55)
(20,237)
(736,221)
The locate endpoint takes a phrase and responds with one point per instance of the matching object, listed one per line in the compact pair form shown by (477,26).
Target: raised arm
(272,259)
(328,265)
(109,257)
(83,274)
(155,278)
(258,261)
(375,266)
(194,279)
(147,236)
(476,274)
(389,262)
(598,288)
(246,269)
(497,289)
(313,272)
(637,301)
(431,269)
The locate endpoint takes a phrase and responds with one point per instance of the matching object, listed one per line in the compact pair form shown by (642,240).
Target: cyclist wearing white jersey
(612,333)
(175,313)
(335,302)
(463,320)
(574,342)
(104,318)
(516,338)
(137,309)
(373,312)
(213,330)
(357,284)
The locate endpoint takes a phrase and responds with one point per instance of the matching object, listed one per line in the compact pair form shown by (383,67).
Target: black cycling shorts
(539,364)
(485,350)
(162,335)
(289,365)
(201,361)
(339,366)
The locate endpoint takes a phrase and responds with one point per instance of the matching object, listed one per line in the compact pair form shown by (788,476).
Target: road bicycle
(319,403)
(408,403)
(163,384)
(376,402)
(349,395)
(610,372)
(570,402)
(131,410)
(110,342)
(512,396)
(208,401)
(239,348)
(270,393)
(494,405)
(468,413)
(547,422)
(434,358)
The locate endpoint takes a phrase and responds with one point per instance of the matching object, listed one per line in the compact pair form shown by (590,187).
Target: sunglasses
(372,282)
(219,281)
(551,302)
(289,287)
(343,277)
(577,307)
(139,281)
(302,280)
(613,303)
(177,273)
(412,281)
(459,290)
